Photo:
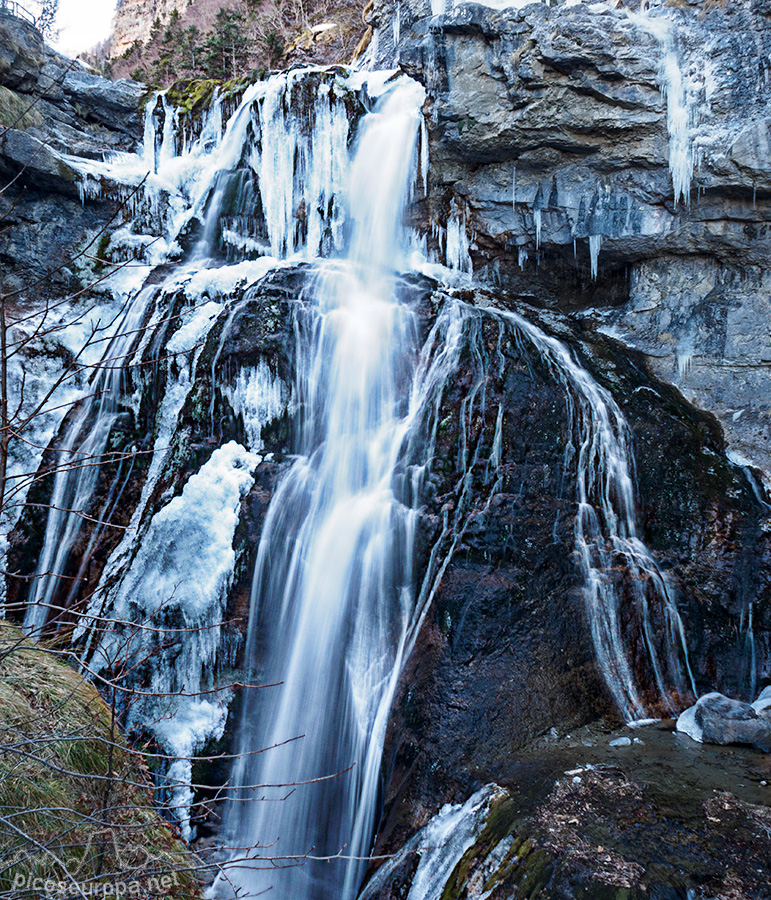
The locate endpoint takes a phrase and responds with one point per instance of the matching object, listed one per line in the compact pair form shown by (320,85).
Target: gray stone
(72,109)
(751,151)
(726,721)
(53,106)
(29,157)
(704,328)
(762,705)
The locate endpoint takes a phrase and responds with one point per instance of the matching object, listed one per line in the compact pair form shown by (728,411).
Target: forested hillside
(223,39)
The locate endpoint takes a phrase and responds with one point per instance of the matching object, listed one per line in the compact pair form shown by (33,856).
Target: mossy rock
(17,111)
(192,96)
(76,803)
(499,825)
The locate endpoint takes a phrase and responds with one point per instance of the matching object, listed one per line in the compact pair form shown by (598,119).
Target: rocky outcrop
(593,831)
(134,21)
(703,327)
(51,108)
(506,654)
(562,137)
(67,107)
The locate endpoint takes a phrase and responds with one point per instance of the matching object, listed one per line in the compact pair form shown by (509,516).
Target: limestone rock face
(74,111)
(52,108)
(703,327)
(569,138)
(134,21)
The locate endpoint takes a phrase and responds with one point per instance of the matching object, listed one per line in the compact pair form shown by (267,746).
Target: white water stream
(333,597)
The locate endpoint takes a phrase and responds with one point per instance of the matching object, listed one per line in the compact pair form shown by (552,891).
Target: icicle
(259,397)
(302,170)
(521,257)
(537,223)
(457,250)
(679,105)
(193,534)
(424,149)
(595,242)
(74,485)
(678,123)
(148,145)
(684,363)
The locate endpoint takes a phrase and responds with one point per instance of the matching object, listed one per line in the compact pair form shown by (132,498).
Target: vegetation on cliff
(247,35)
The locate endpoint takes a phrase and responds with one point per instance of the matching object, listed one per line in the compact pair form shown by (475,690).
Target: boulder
(717,719)
(22,153)
(762,705)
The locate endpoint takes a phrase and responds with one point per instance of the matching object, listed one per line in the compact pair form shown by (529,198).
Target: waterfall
(268,181)
(606,537)
(301,164)
(274,175)
(77,470)
(337,600)
(332,598)
(627,597)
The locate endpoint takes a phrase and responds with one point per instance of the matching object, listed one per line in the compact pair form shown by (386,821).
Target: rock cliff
(609,164)
(52,107)
(134,21)
(562,133)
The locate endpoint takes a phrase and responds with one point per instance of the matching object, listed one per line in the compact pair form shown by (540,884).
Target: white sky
(83,23)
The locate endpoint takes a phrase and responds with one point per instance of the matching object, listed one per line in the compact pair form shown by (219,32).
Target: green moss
(536,873)
(101,253)
(65,172)
(500,824)
(16,111)
(235,87)
(192,95)
(57,747)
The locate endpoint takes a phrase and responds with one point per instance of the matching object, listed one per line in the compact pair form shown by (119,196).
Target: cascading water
(333,598)
(607,537)
(298,165)
(626,595)
(78,468)
(289,160)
